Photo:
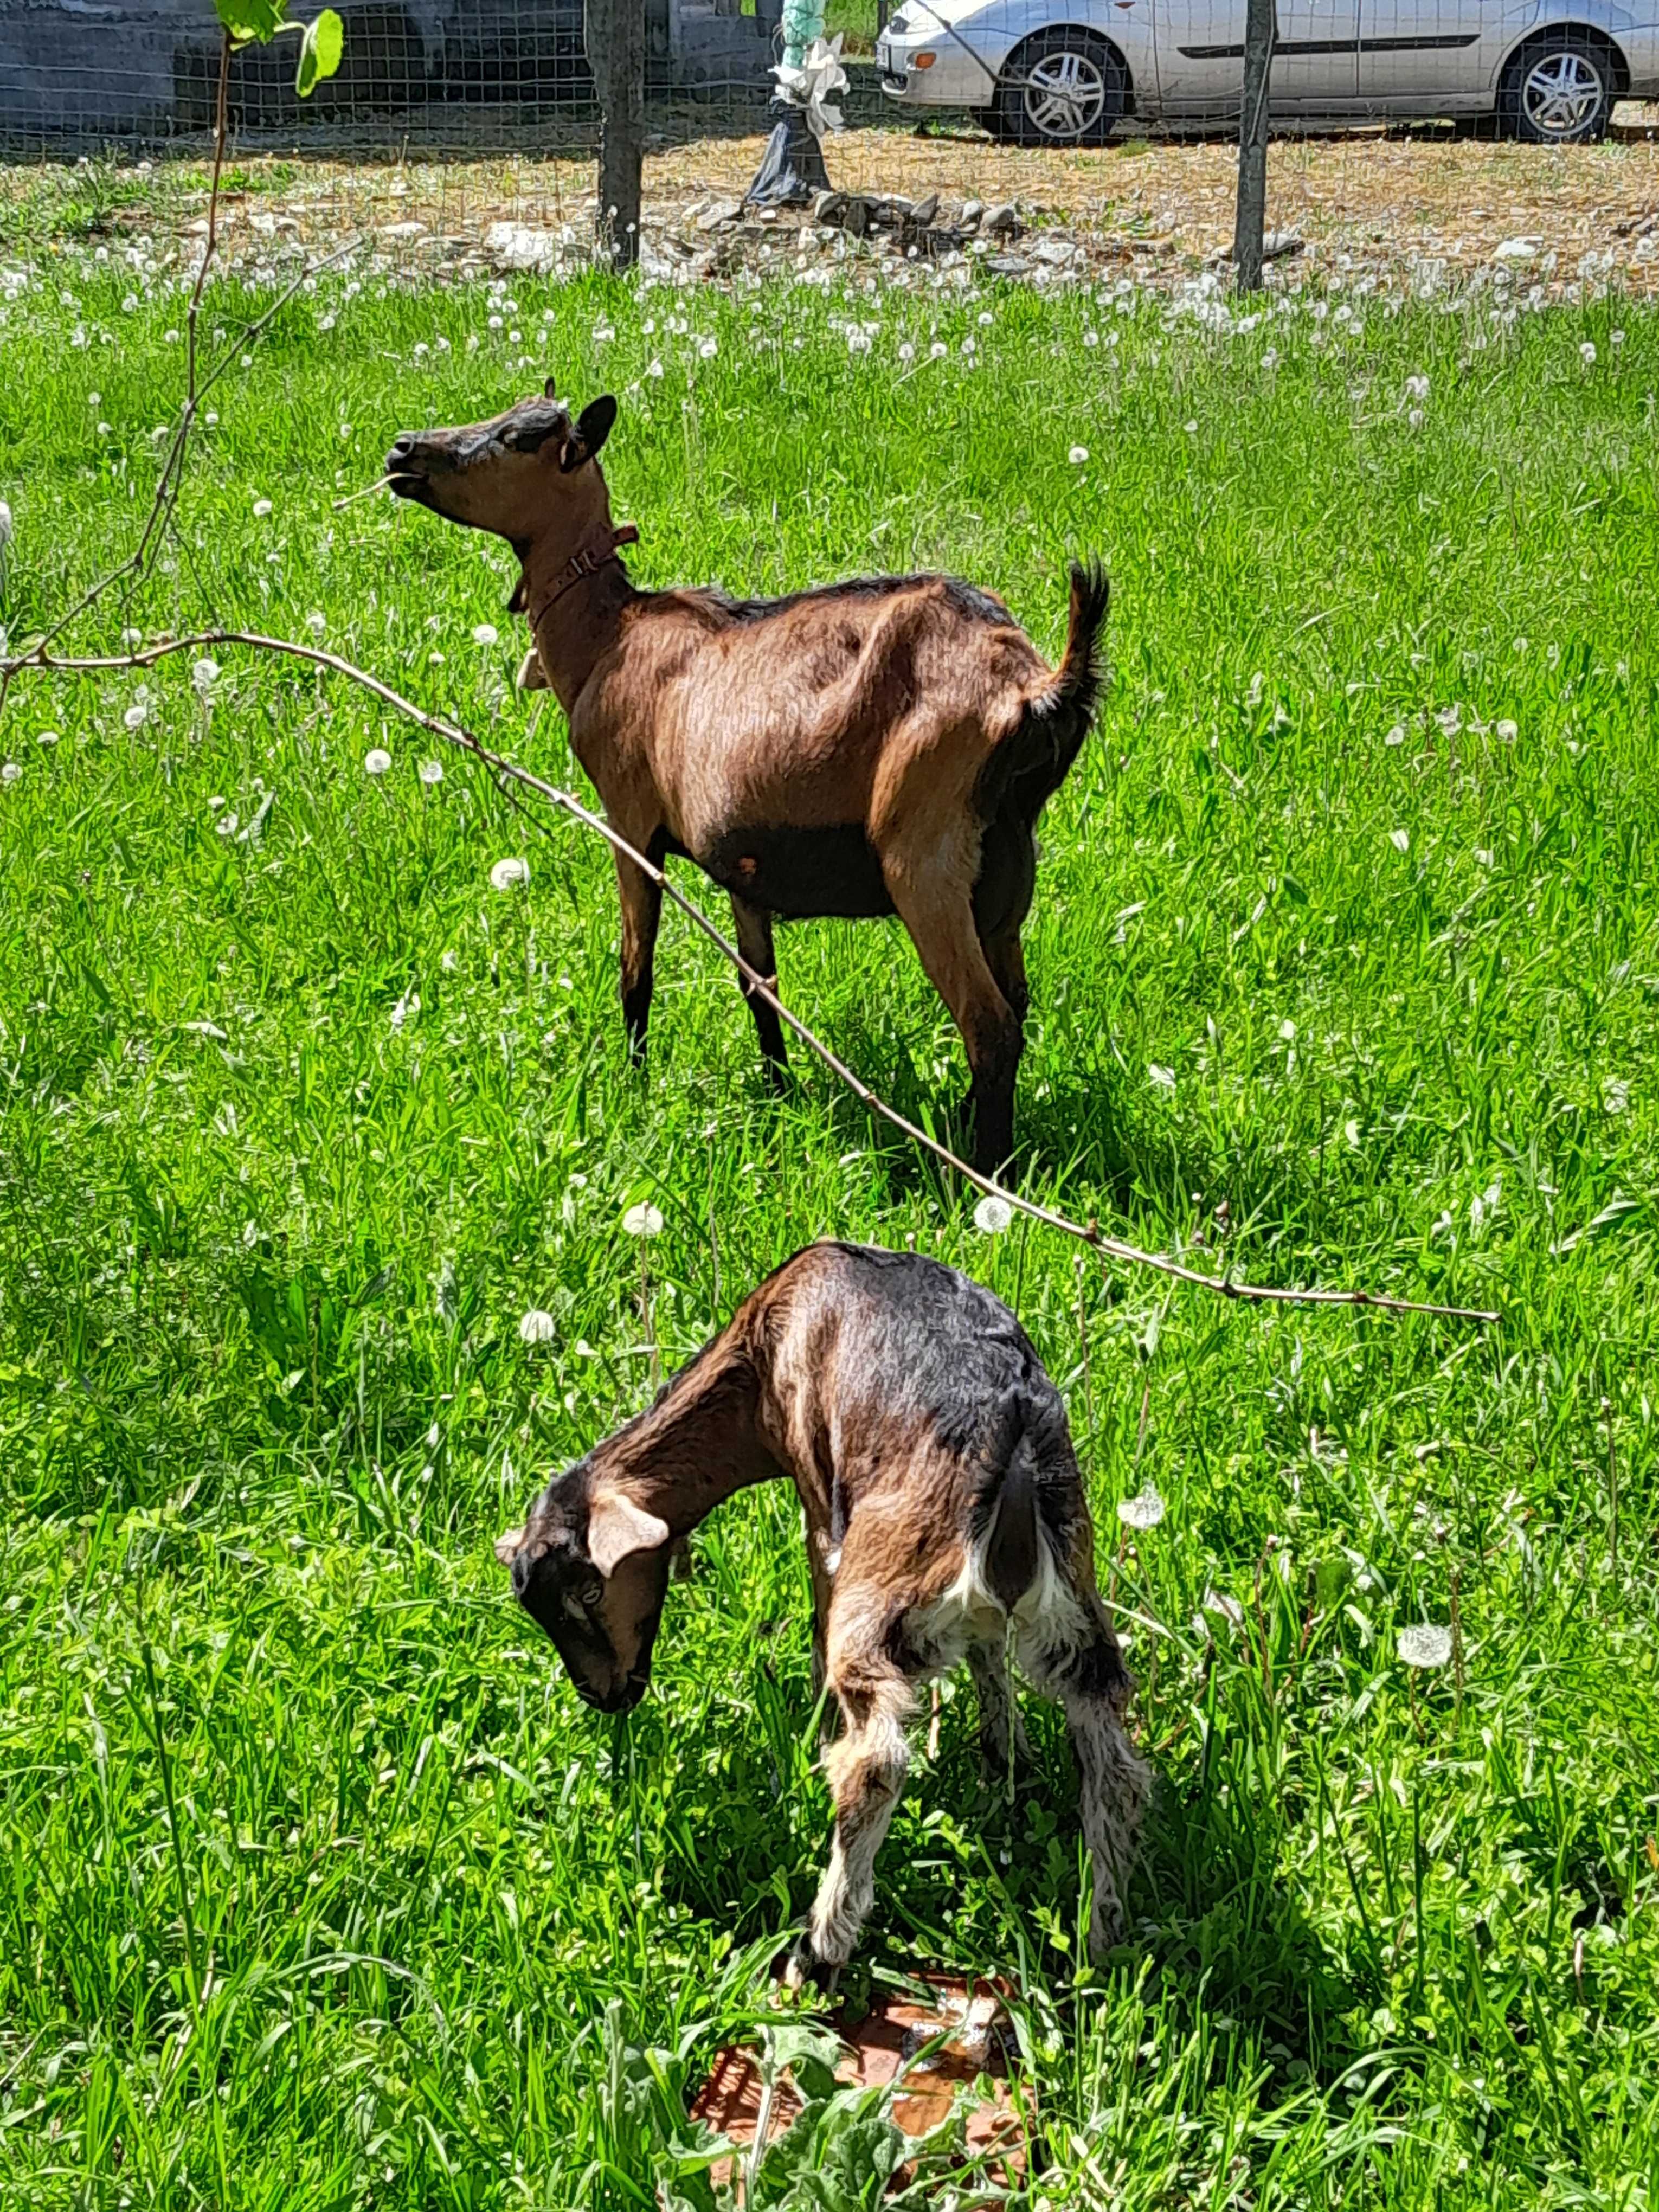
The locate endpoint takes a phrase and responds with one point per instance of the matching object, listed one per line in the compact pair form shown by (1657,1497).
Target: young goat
(877,747)
(944,1508)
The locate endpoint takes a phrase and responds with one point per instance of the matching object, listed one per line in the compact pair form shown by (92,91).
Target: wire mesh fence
(1047,137)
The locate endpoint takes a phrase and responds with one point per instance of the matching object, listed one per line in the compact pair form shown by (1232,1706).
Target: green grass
(317,1885)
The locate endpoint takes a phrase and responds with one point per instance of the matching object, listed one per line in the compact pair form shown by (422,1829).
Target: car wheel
(1559,91)
(1063,88)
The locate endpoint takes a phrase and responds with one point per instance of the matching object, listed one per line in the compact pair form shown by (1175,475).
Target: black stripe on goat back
(962,598)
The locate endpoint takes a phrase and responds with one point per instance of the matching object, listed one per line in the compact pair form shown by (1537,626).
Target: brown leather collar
(584,562)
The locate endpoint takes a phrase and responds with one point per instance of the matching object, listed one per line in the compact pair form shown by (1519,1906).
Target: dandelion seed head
(1145,1511)
(1425,1644)
(377,760)
(137,715)
(1078,455)
(506,875)
(431,771)
(316,621)
(262,507)
(992,1215)
(642,1221)
(485,634)
(204,674)
(536,1326)
(1587,354)
(11,771)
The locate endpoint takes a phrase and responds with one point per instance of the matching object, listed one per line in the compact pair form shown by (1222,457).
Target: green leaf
(250,19)
(319,52)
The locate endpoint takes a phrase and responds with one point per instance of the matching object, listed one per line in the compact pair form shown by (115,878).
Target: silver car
(1064,72)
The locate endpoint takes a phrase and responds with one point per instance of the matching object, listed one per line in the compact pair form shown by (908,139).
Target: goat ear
(547,391)
(531,676)
(515,606)
(593,427)
(506,1544)
(616,1529)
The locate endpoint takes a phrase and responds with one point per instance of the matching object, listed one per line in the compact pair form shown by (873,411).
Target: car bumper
(959,74)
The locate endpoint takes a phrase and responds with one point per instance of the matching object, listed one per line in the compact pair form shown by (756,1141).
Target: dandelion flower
(507,874)
(377,762)
(137,715)
(1078,455)
(431,771)
(536,1326)
(1143,1512)
(992,1214)
(642,1221)
(485,634)
(261,508)
(1425,1644)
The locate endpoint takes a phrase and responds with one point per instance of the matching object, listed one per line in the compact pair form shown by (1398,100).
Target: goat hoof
(806,1972)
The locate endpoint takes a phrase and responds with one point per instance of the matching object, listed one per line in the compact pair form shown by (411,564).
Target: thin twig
(37,659)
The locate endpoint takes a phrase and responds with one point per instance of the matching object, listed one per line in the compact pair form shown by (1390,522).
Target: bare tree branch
(38,659)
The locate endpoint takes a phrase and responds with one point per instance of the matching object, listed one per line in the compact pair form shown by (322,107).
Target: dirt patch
(1396,203)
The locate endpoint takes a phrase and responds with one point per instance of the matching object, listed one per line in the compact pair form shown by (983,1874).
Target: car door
(1425,56)
(1200,57)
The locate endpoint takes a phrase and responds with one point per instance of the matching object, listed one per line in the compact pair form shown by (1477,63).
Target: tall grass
(317,1885)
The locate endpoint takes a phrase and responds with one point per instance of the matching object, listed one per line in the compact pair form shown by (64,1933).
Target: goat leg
(754,931)
(642,911)
(867,1768)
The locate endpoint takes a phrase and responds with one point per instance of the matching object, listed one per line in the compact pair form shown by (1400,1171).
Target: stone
(1277,244)
(1003,220)
(1516,249)
(520,245)
(923,211)
(1009,265)
(972,214)
(719,212)
(1058,252)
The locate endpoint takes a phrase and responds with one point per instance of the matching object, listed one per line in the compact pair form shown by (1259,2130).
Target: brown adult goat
(877,747)
(944,1514)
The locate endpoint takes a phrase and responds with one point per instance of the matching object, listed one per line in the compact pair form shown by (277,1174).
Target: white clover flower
(485,634)
(992,1215)
(431,771)
(11,771)
(1425,1644)
(1078,455)
(1401,839)
(506,874)
(536,1326)
(261,508)
(137,715)
(203,674)
(377,760)
(642,1221)
(1161,1078)
(1587,354)
(1143,1512)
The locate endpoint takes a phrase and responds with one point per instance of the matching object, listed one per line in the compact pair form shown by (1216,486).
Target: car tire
(1063,88)
(1558,90)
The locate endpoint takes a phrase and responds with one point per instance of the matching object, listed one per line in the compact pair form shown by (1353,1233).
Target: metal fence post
(614,32)
(1260,36)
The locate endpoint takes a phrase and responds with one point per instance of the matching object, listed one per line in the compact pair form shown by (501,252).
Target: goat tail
(1078,681)
(1028,767)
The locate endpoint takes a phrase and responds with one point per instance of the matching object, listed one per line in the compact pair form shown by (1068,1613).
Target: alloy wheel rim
(1064,93)
(1561,94)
